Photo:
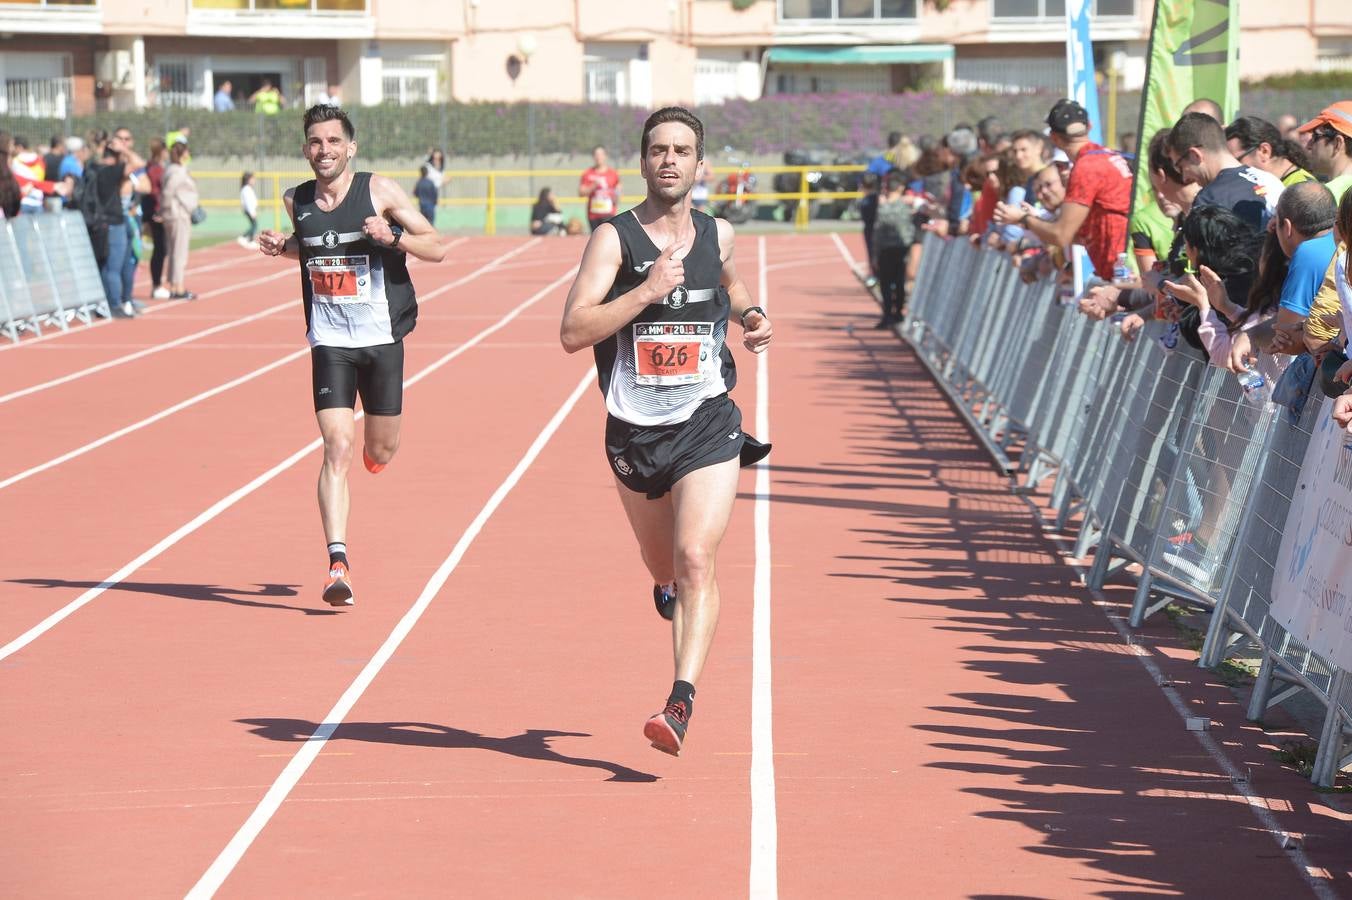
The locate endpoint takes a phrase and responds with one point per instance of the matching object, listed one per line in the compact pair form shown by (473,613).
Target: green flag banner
(1194,53)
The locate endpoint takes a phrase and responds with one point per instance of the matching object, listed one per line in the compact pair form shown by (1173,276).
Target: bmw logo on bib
(330,239)
(676,299)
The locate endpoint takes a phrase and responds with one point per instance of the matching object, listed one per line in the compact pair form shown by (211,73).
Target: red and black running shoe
(666,730)
(338,590)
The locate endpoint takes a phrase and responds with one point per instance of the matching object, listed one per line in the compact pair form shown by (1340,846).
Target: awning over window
(864,55)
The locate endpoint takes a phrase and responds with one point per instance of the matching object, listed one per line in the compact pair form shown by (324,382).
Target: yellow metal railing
(270,187)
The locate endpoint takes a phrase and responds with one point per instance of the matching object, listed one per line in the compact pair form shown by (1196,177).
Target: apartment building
(78,56)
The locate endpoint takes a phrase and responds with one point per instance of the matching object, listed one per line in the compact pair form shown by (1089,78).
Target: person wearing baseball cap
(1330,146)
(1098,197)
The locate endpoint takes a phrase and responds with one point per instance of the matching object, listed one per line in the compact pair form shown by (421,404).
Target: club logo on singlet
(622,466)
(330,239)
(676,299)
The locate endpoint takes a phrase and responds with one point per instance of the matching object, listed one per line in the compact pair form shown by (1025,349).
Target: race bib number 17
(340,279)
(670,353)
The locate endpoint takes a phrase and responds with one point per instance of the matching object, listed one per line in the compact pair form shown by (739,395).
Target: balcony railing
(37,98)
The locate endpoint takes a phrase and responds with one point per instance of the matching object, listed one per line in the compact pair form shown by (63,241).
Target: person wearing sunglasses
(1330,146)
(1257,142)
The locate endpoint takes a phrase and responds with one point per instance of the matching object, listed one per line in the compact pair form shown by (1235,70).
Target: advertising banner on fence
(1312,584)
(1194,53)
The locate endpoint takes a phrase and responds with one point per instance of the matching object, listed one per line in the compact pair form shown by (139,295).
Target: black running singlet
(357,292)
(658,368)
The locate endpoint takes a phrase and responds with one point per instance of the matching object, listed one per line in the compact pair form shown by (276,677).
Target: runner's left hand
(756,332)
(377,229)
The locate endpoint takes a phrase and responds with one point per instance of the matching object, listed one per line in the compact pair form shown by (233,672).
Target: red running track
(950,716)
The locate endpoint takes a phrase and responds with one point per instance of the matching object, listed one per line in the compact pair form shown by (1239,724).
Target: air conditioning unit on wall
(113,68)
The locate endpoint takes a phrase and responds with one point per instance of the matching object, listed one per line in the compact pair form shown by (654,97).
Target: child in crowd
(248,201)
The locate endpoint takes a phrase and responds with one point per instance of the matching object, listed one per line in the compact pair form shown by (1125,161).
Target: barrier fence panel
(14,280)
(86,286)
(1175,466)
(42,285)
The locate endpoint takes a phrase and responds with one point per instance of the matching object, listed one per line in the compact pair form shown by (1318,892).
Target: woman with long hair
(150,215)
(1230,263)
(178,201)
(10,194)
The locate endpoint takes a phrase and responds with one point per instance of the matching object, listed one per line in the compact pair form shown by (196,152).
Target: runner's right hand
(271,243)
(667,272)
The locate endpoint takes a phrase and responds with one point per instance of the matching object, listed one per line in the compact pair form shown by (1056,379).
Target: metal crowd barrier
(48,275)
(1170,467)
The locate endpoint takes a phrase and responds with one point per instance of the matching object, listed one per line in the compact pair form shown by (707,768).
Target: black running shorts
(340,374)
(650,459)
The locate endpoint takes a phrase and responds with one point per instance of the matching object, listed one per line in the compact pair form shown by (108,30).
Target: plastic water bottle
(1121,271)
(1252,383)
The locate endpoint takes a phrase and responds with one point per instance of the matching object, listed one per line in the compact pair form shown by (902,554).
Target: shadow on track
(208,592)
(1070,741)
(533,743)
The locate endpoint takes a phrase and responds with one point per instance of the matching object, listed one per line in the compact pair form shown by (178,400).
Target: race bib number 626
(670,353)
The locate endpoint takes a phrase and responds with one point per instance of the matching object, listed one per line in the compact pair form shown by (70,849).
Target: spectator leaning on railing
(1049,188)
(1098,197)
(1294,262)
(1174,199)
(1197,147)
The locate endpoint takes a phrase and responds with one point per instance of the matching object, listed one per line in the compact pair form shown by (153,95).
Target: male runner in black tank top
(352,230)
(653,296)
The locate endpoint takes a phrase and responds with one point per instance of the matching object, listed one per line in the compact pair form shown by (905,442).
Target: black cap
(1065,114)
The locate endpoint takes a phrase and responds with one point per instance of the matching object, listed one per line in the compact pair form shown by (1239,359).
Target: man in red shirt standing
(1098,198)
(601,186)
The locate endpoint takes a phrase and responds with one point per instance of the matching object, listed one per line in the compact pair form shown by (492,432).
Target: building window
(1008,10)
(604,81)
(846,10)
(283,6)
(36,85)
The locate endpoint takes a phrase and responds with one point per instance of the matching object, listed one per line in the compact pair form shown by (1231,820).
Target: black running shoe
(665,603)
(666,730)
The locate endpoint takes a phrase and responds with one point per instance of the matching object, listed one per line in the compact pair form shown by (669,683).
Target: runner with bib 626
(652,298)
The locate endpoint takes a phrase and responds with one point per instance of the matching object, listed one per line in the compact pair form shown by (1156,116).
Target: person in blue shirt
(224,100)
(1297,258)
(886,161)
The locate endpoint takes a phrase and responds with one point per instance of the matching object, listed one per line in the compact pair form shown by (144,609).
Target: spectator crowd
(1244,257)
(126,199)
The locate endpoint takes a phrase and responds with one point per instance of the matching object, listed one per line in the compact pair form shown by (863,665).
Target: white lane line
(173,304)
(290,776)
(158,307)
(212,392)
(186,339)
(764,820)
(148,351)
(239,494)
(844,251)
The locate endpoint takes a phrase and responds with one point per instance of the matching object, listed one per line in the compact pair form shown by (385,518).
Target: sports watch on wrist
(749,310)
(398,232)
